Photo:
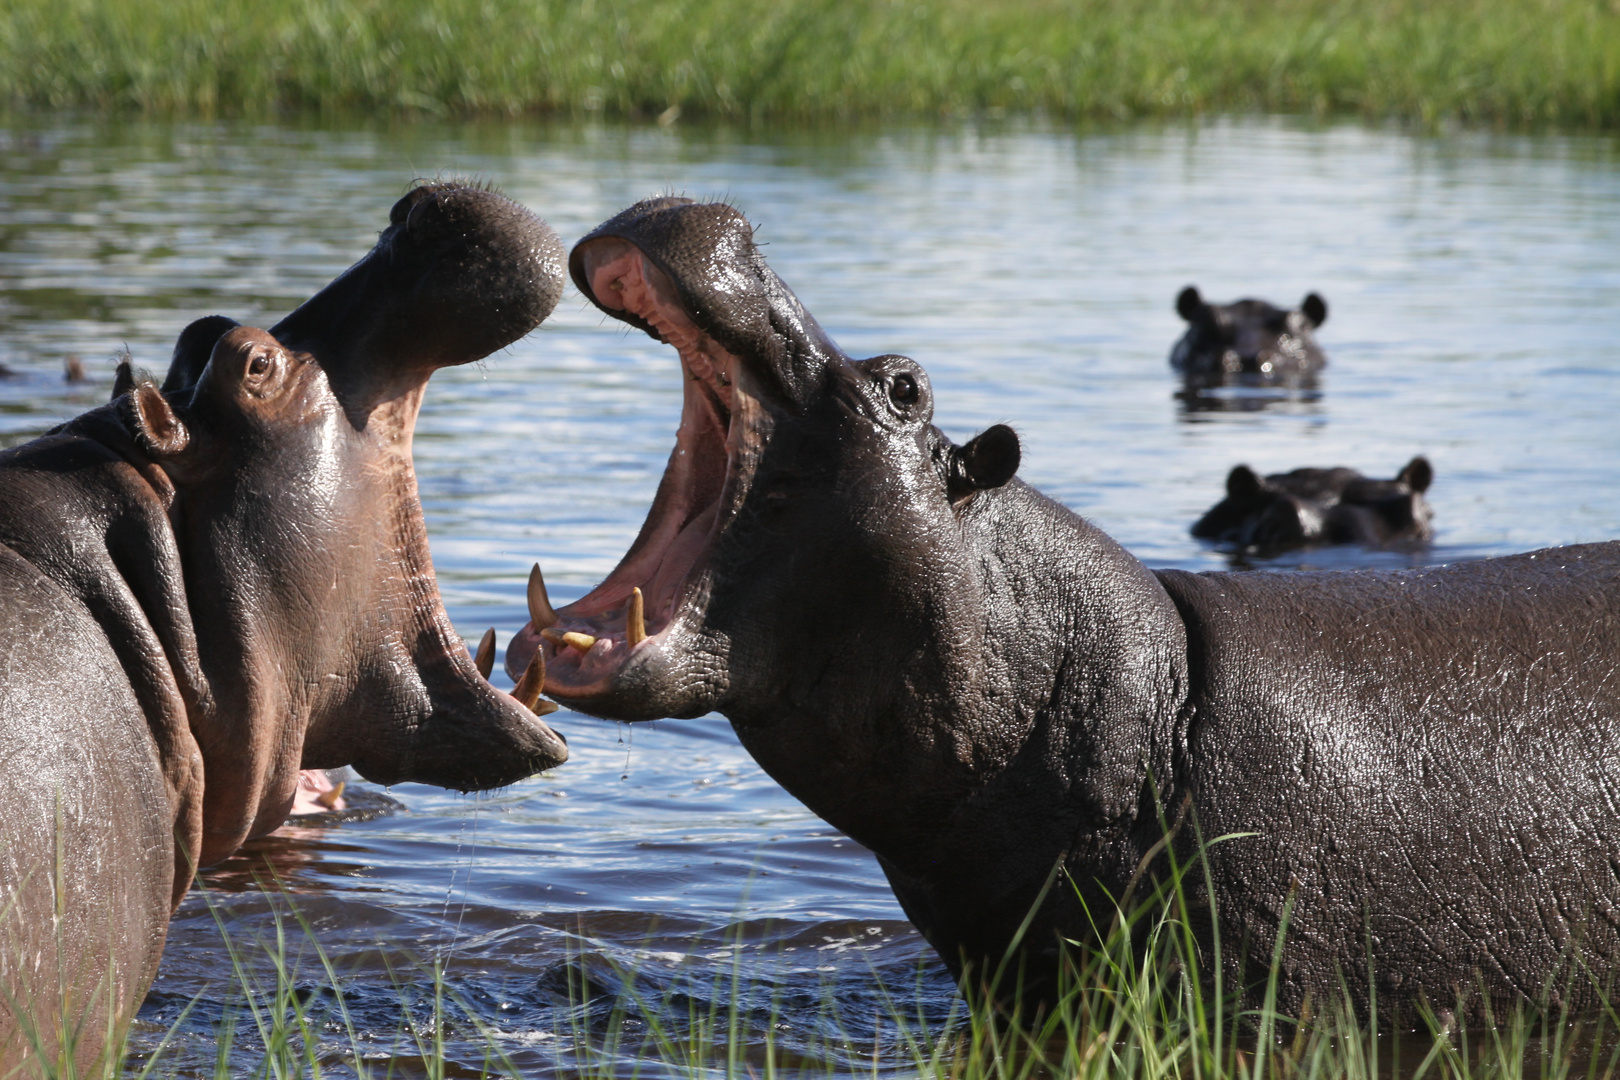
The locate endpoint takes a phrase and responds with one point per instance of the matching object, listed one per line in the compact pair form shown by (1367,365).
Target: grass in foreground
(1510,62)
(1137,1012)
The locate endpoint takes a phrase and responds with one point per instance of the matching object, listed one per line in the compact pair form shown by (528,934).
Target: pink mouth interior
(686,513)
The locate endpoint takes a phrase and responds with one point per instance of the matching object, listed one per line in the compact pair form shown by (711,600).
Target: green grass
(1505,62)
(1139,1011)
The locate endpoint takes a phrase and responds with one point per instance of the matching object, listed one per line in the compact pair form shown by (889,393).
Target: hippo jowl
(977,684)
(207,585)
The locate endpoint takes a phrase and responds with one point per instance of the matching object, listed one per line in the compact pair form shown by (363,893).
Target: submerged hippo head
(1249,338)
(1308,507)
(320,637)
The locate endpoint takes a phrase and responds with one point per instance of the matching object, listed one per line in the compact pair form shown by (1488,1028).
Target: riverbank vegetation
(1136,1009)
(1500,62)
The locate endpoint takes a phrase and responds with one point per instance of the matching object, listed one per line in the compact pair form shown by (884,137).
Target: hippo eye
(259,364)
(903,390)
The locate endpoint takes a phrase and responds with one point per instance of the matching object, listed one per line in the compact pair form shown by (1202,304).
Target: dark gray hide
(206,587)
(1314,507)
(1249,340)
(978,685)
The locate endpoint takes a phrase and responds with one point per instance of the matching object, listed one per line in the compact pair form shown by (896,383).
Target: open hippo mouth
(686,273)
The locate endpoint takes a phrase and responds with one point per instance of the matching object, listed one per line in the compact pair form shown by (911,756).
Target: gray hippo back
(1249,339)
(1426,761)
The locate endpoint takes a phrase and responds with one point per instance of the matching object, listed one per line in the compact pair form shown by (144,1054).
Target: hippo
(1248,340)
(209,585)
(1313,507)
(984,689)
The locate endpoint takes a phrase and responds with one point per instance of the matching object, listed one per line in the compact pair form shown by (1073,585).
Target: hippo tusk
(635,631)
(582,642)
(527,691)
(541,612)
(330,797)
(484,658)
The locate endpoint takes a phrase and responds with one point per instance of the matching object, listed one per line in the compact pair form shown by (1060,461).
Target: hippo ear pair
(988,460)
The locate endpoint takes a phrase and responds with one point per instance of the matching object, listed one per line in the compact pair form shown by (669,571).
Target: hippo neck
(1044,703)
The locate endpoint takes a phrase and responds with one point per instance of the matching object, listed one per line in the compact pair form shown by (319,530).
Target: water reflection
(1240,393)
(1475,312)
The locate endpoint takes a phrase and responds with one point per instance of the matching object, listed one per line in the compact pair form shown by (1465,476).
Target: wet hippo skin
(207,586)
(978,685)
(1314,507)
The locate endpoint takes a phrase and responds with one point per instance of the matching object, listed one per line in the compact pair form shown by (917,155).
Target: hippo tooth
(559,638)
(484,658)
(635,624)
(527,691)
(540,609)
(329,798)
(582,642)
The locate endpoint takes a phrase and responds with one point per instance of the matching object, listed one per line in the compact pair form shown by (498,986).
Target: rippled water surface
(1473,282)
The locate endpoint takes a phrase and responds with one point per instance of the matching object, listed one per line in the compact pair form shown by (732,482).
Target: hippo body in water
(208,585)
(1313,507)
(978,685)
(1249,340)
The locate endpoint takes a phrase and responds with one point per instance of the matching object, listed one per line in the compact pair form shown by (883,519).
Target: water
(1473,282)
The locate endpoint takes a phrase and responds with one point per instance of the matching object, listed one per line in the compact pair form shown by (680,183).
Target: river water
(1473,283)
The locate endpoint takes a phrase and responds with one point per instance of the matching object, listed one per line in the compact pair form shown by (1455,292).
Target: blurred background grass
(1503,62)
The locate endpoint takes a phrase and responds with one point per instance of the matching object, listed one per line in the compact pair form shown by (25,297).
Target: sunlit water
(1474,290)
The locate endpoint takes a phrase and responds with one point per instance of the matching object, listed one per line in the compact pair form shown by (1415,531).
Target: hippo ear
(1242,484)
(1315,309)
(988,460)
(161,432)
(1418,474)
(1189,304)
(192,350)
(123,380)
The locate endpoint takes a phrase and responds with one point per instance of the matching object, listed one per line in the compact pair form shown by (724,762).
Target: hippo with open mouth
(981,687)
(209,585)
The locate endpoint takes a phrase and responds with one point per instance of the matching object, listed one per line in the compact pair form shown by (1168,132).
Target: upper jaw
(459,273)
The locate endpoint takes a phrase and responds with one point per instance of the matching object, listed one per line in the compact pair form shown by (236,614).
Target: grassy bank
(1142,1006)
(1510,62)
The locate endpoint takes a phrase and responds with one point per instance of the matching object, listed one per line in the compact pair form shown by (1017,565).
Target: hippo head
(806,491)
(1307,507)
(1247,338)
(320,636)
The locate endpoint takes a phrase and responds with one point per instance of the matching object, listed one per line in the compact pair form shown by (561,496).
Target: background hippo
(1309,507)
(979,686)
(206,586)
(1248,338)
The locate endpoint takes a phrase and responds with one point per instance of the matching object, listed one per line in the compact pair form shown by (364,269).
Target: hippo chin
(1314,507)
(1247,341)
(209,585)
(979,686)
